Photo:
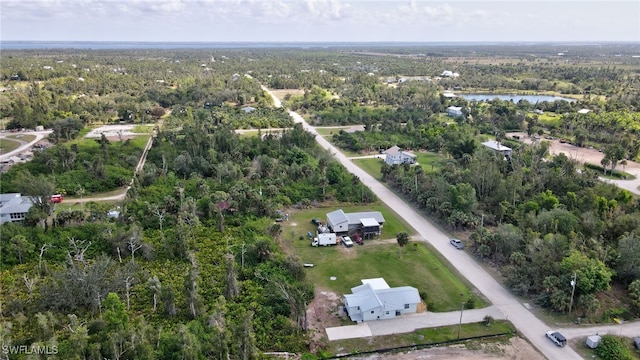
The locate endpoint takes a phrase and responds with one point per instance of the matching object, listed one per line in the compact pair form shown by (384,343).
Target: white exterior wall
(342,227)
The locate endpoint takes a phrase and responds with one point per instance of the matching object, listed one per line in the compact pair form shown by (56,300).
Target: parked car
(556,338)
(316,222)
(457,244)
(347,241)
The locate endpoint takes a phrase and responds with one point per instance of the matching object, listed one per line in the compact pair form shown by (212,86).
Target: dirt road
(591,156)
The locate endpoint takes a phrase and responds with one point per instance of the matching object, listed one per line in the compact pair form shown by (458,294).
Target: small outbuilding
(593,341)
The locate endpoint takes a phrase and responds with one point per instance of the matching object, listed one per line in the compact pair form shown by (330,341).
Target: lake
(515,98)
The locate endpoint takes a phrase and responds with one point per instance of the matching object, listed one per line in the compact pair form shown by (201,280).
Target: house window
(386,313)
(372,311)
(406,306)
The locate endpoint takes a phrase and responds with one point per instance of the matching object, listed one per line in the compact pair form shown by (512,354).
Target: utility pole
(460,324)
(573,290)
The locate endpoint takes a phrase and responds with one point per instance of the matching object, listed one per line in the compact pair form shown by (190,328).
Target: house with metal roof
(395,156)
(497,147)
(14,207)
(375,300)
(368,223)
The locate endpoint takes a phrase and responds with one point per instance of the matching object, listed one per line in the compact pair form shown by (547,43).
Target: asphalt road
(527,324)
(24,145)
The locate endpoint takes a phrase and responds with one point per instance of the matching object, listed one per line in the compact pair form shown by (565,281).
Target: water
(515,98)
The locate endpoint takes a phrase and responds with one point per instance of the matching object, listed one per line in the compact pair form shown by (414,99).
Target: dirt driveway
(592,156)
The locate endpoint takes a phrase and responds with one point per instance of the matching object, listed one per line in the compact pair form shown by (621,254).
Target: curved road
(525,321)
(24,145)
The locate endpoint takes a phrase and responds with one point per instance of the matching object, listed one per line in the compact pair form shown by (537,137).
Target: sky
(320,20)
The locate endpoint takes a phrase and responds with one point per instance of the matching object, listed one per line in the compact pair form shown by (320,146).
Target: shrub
(613,348)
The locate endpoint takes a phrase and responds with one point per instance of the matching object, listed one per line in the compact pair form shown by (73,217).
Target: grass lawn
(430,162)
(324,131)
(426,336)
(371,166)
(377,258)
(7,145)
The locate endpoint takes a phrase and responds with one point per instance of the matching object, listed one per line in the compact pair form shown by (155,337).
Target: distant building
(375,300)
(497,147)
(584,111)
(454,111)
(248,109)
(14,207)
(395,156)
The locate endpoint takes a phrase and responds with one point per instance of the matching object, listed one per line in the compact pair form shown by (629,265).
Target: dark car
(457,244)
(556,338)
(316,222)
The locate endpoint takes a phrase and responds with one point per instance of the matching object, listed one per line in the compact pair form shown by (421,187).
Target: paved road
(526,323)
(23,144)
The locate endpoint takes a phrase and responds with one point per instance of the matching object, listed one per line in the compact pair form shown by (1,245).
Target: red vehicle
(56,198)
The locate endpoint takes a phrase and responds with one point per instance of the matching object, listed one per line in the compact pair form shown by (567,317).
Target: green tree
(628,265)
(613,348)
(592,274)
(403,239)
(115,312)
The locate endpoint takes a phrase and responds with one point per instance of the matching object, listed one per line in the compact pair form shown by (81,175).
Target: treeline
(539,221)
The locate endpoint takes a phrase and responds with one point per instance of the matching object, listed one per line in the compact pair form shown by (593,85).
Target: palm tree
(403,239)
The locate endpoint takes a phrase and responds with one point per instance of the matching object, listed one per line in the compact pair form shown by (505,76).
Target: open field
(7,145)
(377,258)
(371,166)
(430,162)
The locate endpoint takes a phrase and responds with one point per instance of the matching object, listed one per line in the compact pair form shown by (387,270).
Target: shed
(593,341)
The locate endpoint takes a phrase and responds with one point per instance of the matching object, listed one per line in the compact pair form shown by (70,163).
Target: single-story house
(14,207)
(454,111)
(497,147)
(584,111)
(375,300)
(248,109)
(395,156)
(369,223)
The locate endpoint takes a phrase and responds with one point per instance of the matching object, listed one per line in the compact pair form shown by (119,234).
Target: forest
(194,268)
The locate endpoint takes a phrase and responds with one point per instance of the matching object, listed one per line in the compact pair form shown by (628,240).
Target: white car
(347,241)
(556,338)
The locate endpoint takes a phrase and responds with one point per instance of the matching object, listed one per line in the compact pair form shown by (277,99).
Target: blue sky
(319,20)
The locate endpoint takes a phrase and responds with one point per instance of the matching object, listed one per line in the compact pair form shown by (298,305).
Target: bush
(613,348)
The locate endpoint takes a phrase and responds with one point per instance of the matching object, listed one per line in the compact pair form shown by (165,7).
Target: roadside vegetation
(195,265)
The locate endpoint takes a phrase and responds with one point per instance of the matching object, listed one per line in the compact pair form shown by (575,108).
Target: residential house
(454,111)
(367,223)
(584,111)
(248,109)
(497,147)
(375,300)
(395,156)
(14,207)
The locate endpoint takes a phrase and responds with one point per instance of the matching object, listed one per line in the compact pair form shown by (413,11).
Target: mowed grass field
(415,265)
(7,145)
(430,162)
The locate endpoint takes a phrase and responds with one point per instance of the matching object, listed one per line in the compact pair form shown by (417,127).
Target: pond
(512,97)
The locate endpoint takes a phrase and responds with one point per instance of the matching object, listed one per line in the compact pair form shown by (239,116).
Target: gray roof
(367,298)
(337,217)
(356,218)
(19,204)
(4,198)
(369,222)
(495,145)
(393,151)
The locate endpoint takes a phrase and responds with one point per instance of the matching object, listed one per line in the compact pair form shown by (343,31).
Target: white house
(14,207)
(368,223)
(248,109)
(584,111)
(454,111)
(375,300)
(395,156)
(496,146)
